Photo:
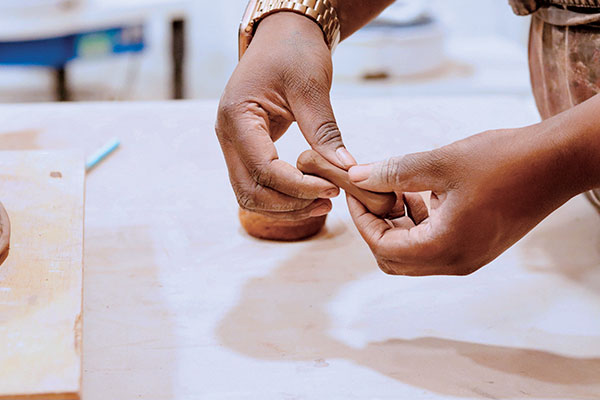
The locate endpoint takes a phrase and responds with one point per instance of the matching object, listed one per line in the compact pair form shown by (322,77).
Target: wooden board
(41,280)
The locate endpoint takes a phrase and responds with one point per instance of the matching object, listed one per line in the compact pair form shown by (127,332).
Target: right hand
(284,76)
(487,192)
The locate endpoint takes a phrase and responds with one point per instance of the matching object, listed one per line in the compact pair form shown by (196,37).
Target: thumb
(318,125)
(410,173)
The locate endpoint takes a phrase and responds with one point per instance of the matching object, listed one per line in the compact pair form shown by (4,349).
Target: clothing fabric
(526,7)
(564,57)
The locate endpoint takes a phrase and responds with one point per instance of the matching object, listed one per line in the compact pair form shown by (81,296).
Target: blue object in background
(56,52)
(101,154)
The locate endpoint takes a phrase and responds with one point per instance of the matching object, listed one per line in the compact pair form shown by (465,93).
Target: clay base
(263,227)
(4,234)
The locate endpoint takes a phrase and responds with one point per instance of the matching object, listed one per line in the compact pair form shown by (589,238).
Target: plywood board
(41,279)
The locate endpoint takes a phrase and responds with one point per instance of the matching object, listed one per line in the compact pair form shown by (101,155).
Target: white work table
(180,304)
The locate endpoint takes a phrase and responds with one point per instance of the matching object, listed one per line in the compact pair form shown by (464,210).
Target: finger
(257,152)
(370,227)
(404,222)
(283,177)
(399,208)
(254,197)
(409,245)
(316,120)
(315,209)
(410,173)
(416,209)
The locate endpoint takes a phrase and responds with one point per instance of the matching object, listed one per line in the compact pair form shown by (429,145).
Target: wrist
(579,133)
(287,26)
(320,12)
(562,151)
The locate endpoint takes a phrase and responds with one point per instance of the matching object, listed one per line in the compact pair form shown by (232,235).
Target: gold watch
(320,11)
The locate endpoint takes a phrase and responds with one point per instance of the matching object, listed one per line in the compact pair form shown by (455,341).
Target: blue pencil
(101,154)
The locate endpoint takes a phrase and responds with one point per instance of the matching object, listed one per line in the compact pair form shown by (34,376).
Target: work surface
(180,304)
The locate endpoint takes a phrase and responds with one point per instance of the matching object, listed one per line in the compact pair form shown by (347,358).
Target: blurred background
(128,50)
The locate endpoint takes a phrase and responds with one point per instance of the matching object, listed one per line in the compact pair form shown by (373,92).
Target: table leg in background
(61,84)
(178,53)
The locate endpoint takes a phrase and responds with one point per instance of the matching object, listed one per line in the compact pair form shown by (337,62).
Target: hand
(488,191)
(284,76)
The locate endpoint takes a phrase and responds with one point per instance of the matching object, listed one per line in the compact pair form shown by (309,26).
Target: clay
(311,162)
(263,227)
(4,234)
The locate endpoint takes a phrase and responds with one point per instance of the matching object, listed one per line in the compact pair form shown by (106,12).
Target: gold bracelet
(320,11)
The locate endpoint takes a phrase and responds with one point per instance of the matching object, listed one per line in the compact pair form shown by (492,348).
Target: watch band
(320,11)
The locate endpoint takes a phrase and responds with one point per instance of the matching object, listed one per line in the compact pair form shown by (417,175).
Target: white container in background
(404,40)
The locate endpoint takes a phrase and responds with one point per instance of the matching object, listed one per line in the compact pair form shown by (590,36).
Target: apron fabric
(564,55)
(526,7)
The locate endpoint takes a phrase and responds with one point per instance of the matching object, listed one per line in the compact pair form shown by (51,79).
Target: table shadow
(570,245)
(284,317)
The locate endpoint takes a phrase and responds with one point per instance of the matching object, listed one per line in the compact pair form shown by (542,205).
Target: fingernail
(345,157)
(329,193)
(359,173)
(321,210)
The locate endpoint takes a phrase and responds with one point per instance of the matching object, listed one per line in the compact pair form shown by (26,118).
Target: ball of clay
(264,227)
(4,233)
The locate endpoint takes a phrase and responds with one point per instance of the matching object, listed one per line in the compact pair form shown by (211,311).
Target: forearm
(354,14)
(576,137)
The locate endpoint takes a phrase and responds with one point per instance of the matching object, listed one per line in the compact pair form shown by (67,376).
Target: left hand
(488,191)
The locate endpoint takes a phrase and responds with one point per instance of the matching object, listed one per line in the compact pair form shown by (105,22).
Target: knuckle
(439,162)
(247,196)
(223,135)
(435,163)
(244,197)
(418,161)
(225,113)
(328,134)
(262,175)
(390,170)
(218,130)
(227,108)
(246,200)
